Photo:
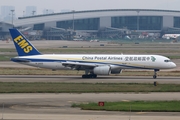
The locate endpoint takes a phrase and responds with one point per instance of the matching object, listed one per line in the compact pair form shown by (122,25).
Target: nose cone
(173,65)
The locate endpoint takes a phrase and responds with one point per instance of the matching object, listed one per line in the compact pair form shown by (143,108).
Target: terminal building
(110,23)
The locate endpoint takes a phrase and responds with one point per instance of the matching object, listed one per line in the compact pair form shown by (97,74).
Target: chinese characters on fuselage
(137,58)
(128,58)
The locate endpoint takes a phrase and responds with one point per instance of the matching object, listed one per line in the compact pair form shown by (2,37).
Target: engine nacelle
(102,70)
(116,71)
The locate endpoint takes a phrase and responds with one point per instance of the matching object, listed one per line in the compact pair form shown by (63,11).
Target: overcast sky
(58,5)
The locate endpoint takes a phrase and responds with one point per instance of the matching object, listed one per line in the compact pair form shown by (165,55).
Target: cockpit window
(167,60)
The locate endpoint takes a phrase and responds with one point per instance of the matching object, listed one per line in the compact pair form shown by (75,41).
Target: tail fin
(22,44)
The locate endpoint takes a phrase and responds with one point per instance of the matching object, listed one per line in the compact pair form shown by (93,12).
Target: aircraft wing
(79,66)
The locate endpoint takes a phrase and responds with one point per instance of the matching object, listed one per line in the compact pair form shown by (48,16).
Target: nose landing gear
(155,73)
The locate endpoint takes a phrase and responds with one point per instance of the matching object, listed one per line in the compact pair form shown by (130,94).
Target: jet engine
(102,70)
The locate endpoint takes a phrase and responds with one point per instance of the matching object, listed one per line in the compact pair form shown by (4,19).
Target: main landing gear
(155,73)
(91,75)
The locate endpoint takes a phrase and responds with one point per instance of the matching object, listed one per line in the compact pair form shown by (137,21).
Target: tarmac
(58,106)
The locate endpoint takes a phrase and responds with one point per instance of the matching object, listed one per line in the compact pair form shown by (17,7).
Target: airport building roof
(36,19)
(106,10)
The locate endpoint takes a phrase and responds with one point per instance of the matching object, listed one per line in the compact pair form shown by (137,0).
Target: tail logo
(23,44)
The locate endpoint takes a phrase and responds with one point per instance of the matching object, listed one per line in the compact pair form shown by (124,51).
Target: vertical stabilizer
(22,44)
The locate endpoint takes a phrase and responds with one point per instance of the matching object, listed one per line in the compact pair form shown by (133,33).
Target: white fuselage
(54,61)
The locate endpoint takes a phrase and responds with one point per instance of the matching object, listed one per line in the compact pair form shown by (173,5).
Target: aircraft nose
(173,65)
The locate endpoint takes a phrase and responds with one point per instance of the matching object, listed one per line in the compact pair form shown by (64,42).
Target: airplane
(92,64)
(170,36)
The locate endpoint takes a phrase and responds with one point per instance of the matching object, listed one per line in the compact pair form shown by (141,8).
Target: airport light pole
(138,20)
(33,12)
(12,17)
(23,13)
(73,20)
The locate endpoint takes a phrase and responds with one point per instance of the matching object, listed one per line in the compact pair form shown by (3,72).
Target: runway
(78,79)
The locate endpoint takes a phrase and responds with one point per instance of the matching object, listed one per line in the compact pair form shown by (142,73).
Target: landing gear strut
(155,73)
(91,75)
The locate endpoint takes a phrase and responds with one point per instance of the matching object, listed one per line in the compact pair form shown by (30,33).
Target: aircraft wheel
(154,76)
(93,76)
(84,76)
(89,76)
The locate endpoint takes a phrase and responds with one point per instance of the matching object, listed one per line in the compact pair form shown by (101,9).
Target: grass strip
(134,106)
(6,57)
(41,87)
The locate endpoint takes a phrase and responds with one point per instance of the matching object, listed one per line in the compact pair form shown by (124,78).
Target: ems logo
(153,59)
(23,44)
